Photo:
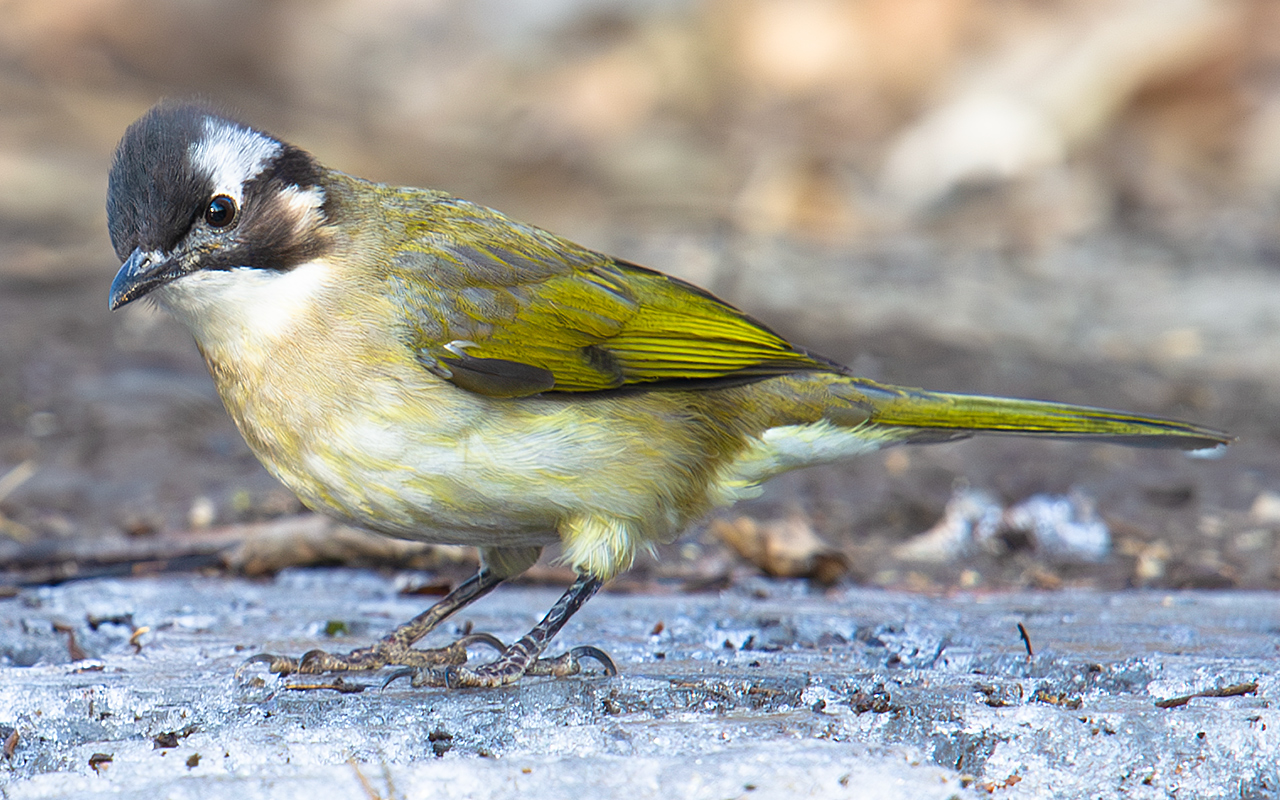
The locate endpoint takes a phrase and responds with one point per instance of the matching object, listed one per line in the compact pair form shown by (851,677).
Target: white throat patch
(243,311)
(231,155)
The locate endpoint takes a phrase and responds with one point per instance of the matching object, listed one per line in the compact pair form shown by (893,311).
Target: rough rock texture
(769,690)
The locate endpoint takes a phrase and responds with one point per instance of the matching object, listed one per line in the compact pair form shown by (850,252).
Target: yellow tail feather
(936,415)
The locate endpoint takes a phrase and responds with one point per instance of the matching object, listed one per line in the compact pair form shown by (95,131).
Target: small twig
(15,477)
(74,649)
(15,530)
(369,791)
(337,685)
(1026,640)
(391,783)
(9,482)
(1235,690)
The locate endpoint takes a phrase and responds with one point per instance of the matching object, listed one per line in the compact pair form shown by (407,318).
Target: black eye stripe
(220,212)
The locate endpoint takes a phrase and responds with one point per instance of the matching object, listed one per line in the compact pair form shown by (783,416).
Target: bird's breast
(366,434)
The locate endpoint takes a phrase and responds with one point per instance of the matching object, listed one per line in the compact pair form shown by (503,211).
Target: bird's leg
(397,647)
(522,656)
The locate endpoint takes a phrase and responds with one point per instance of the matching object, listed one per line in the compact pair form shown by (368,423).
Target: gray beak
(140,274)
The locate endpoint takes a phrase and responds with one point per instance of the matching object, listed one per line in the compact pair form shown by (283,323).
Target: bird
(428,368)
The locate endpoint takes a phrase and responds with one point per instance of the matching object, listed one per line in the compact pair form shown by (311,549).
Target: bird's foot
(522,656)
(565,665)
(513,664)
(387,652)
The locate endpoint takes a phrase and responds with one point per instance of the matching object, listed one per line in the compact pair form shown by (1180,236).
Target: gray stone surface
(765,690)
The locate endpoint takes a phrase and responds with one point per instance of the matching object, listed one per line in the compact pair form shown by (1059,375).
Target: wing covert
(517,311)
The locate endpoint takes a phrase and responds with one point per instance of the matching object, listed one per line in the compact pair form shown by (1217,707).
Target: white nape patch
(229,309)
(231,155)
(304,206)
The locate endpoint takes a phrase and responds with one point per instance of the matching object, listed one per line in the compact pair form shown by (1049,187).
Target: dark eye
(220,212)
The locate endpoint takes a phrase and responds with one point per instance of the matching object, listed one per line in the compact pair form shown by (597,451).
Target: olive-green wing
(508,310)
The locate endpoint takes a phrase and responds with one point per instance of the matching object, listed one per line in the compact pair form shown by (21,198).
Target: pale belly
(512,475)
(446,467)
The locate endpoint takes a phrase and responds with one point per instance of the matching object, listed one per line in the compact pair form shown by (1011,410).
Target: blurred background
(1068,199)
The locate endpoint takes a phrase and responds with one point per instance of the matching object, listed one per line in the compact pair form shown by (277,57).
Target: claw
(428,676)
(313,662)
(397,675)
(439,678)
(596,654)
(568,664)
(280,665)
(433,677)
(481,638)
(463,678)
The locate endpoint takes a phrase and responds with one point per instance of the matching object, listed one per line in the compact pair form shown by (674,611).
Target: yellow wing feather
(519,311)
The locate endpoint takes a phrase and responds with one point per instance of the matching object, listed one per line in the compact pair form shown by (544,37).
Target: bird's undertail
(934,416)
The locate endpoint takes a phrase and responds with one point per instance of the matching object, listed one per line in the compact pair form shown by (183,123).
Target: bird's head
(194,196)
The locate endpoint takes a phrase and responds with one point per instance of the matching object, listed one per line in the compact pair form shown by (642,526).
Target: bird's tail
(921,416)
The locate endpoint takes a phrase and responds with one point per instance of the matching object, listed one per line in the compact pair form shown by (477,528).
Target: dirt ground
(1139,271)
